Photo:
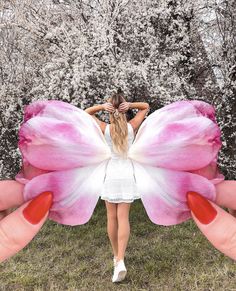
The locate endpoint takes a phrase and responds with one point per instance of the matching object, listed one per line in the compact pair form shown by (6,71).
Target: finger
(226,194)
(19,228)
(11,194)
(4,213)
(232,212)
(216,224)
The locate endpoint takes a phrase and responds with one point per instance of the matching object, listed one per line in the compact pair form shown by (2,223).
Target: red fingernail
(38,207)
(201,207)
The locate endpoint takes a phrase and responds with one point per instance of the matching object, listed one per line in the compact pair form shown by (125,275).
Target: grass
(157,258)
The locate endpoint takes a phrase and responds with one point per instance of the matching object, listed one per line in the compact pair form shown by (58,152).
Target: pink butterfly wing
(172,154)
(75,192)
(58,136)
(176,137)
(163,192)
(63,151)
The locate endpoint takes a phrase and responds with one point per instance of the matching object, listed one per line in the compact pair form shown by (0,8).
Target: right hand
(123,107)
(215,223)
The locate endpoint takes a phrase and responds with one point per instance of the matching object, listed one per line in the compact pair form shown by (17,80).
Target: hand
(216,224)
(26,220)
(108,107)
(124,106)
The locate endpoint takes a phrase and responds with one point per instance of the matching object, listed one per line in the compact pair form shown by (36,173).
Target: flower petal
(204,109)
(51,108)
(211,172)
(163,192)
(61,137)
(177,137)
(28,172)
(75,192)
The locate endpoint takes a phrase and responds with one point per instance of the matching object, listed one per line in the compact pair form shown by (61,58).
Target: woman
(119,189)
(52,174)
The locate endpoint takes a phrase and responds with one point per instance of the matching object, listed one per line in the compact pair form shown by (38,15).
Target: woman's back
(119,183)
(108,138)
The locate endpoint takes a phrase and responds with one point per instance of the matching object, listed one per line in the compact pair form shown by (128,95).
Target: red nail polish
(201,207)
(38,207)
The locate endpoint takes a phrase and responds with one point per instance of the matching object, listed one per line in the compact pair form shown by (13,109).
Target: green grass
(157,258)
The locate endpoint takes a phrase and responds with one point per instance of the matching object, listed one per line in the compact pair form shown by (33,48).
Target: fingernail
(38,207)
(201,207)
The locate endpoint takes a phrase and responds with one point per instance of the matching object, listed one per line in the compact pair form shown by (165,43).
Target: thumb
(217,225)
(18,228)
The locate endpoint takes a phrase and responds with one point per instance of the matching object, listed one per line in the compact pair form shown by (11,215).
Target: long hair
(118,126)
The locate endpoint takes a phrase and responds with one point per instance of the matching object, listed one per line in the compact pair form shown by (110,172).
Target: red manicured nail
(201,207)
(38,207)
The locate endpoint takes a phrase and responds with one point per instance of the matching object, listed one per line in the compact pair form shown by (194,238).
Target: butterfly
(64,151)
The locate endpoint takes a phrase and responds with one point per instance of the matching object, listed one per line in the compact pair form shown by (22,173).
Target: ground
(158,258)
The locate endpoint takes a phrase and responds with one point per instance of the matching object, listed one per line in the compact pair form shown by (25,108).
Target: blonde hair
(118,126)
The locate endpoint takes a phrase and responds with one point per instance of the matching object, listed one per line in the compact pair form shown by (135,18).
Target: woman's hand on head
(108,107)
(123,107)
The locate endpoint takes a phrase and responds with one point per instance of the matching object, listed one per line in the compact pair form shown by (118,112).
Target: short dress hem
(118,200)
(119,183)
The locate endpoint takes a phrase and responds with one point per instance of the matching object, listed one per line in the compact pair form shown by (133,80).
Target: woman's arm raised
(139,105)
(106,106)
(92,110)
(125,106)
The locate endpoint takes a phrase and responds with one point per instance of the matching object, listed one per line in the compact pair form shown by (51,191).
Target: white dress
(119,183)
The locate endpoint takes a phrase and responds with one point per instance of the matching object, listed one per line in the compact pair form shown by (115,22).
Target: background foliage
(81,51)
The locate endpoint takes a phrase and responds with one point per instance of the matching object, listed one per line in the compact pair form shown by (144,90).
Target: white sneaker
(120,271)
(114,261)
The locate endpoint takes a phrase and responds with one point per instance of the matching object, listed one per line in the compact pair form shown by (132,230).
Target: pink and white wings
(64,150)
(175,151)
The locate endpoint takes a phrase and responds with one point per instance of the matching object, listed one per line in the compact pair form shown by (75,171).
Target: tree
(81,51)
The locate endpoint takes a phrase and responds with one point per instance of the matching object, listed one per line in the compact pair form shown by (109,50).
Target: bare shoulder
(134,130)
(102,124)
(138,119)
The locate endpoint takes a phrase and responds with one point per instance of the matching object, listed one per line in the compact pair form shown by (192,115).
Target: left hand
(108,107)
(18,228)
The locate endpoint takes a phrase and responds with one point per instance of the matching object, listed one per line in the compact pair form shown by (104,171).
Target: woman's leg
(112,225)
(226,195)
(123,228)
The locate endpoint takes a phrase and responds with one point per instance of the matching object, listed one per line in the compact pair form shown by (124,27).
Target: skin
(11,242)
(118,226)
(221,231)
(123,107)
(118,213)
(11,195)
